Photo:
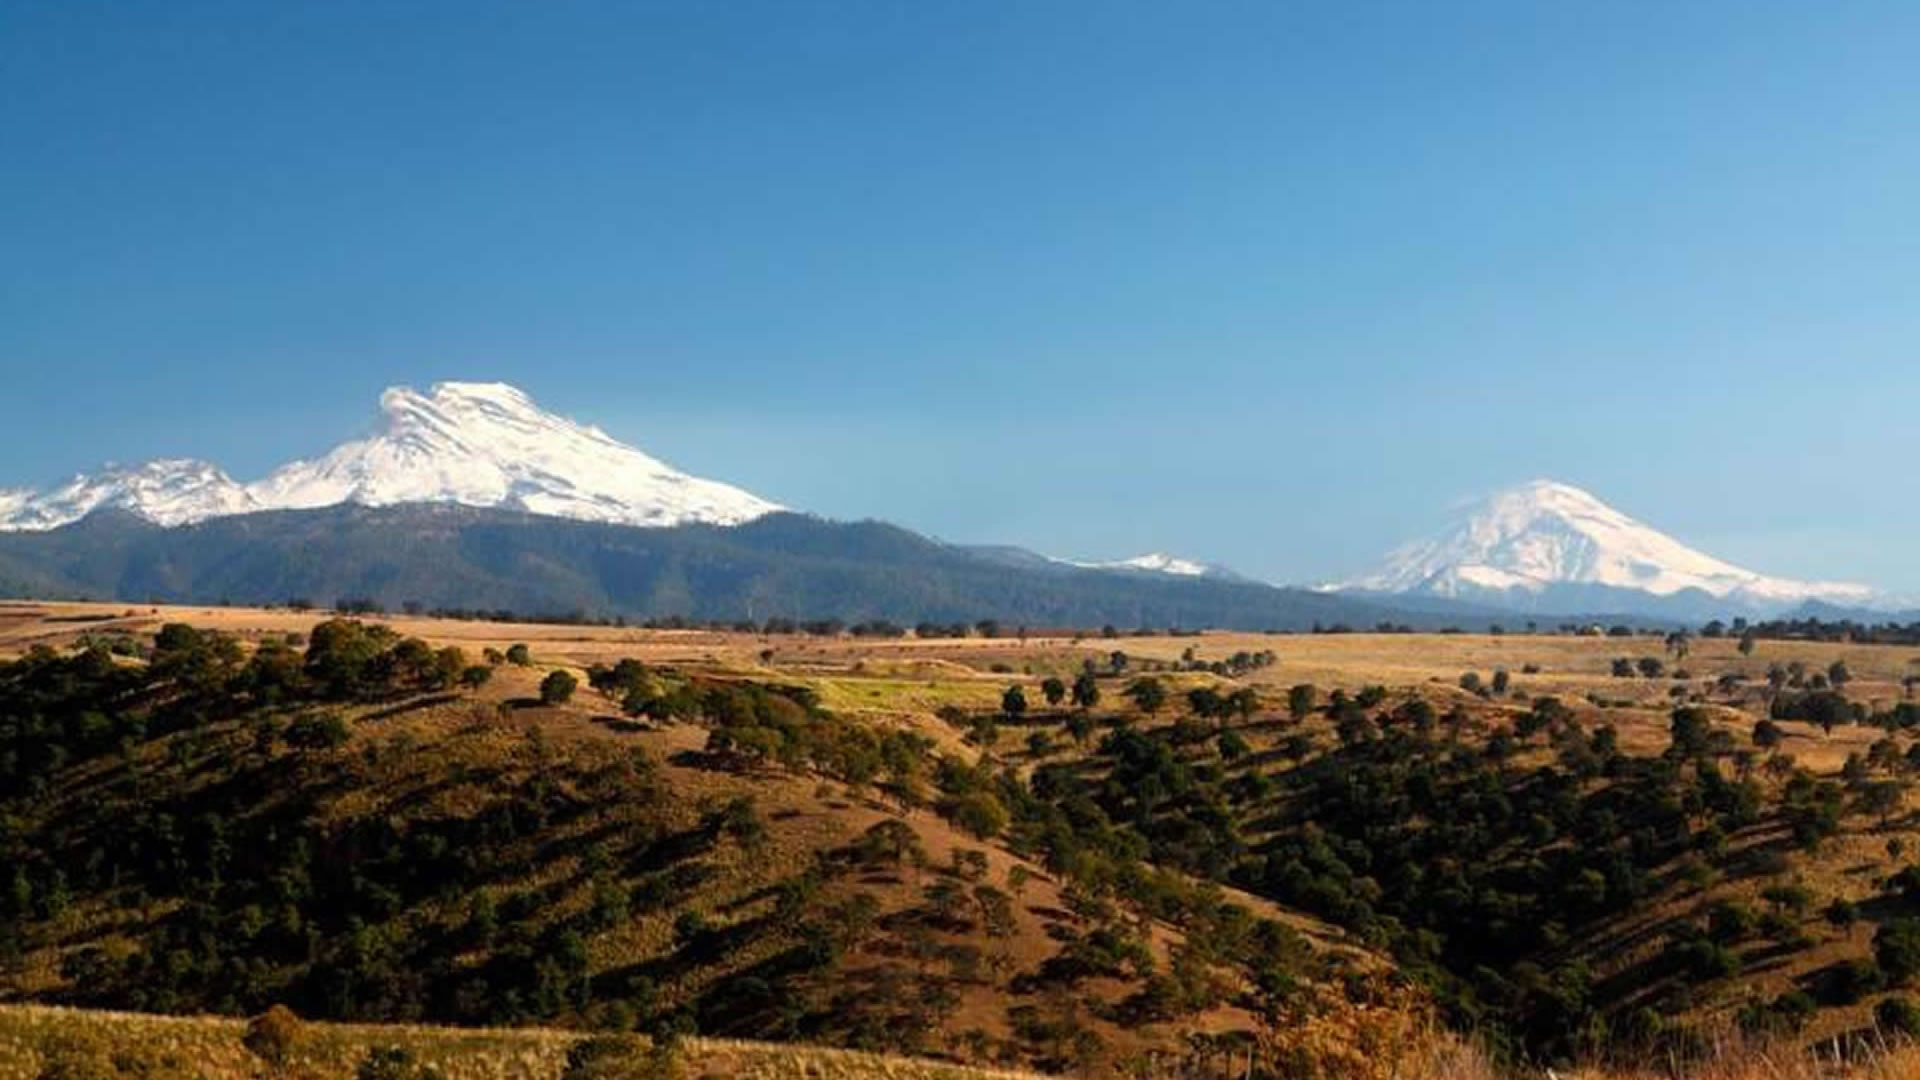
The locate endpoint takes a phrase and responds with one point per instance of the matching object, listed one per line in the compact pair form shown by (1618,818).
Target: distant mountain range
(1551,547)
(781,565)
(471,496)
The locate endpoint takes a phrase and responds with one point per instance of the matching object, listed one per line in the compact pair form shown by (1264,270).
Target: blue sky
(1272,284)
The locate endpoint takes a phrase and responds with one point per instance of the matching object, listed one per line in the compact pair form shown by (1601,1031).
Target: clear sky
(1272,284)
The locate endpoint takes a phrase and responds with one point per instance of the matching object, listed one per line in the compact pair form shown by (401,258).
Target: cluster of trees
(335,883)
(1476,872)
(1810,629)
(269,896)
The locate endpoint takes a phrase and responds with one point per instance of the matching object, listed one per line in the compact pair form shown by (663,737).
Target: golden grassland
(1357,1043)
(35,1041)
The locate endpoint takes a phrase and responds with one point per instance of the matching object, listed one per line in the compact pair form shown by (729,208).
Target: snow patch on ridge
(1159,562)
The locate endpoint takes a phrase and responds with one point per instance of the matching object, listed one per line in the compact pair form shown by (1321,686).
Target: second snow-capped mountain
(476,444)
(1551,546)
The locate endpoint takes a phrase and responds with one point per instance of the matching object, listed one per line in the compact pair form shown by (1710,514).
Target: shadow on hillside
(415,705)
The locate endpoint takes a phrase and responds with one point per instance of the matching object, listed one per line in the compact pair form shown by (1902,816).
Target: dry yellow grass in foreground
(46,1043)
(51,1043)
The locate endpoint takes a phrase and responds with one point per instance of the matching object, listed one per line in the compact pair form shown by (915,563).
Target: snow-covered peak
(476,444)
(1545,533)
(1159,562)
(170,491)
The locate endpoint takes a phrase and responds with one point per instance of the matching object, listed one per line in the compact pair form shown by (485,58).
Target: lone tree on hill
(1014,702)
(558,687)
(1300,700)
(1086,690)
(1053,690)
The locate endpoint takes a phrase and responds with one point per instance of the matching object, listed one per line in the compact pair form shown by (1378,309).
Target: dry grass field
(40,1043)
(50,1043)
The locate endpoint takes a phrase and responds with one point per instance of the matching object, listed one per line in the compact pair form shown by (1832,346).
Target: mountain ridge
(783,564)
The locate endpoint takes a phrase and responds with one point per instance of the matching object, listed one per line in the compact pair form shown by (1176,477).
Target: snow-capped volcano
(1544,536)
(477,444)
(488,444)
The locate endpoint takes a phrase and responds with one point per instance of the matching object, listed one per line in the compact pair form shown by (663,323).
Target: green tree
(558,687)
(1301,699)
(1086,690)
(1014,702)
(1053,690)
(1841,913)
(1896,948)
(1148,694)
(1690,728)
(978,812)
(317,731)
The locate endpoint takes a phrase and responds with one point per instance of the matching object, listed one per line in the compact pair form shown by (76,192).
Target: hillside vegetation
(363,826)
(1190,856)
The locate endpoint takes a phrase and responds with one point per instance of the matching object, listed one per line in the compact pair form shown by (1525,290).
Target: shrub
(271,1036)
(1896,946)
(393,1063)
(608,1057)
(979,813)
(518,656)
(1898,1015)
(1841,913)
(317,731)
